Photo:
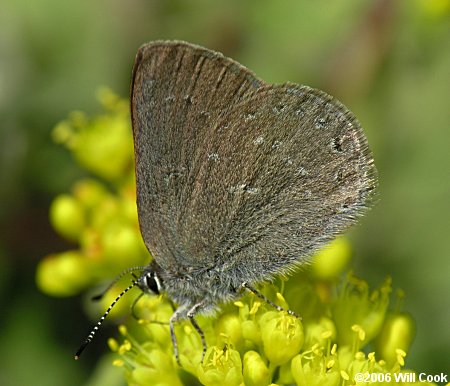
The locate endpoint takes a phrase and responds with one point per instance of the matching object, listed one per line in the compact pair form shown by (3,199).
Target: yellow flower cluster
(249,343)
(346,329)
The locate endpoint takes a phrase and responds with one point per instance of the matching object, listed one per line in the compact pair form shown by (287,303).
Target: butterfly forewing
(179,91)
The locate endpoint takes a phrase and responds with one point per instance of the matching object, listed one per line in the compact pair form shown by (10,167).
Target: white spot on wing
(259,140)
(213,157)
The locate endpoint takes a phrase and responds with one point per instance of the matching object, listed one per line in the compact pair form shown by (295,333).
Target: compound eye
(152,284)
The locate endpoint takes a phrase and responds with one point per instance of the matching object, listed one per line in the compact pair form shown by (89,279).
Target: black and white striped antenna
(102,319)
(120,276)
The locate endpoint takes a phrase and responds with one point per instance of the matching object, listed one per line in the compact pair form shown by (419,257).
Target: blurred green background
(387,60)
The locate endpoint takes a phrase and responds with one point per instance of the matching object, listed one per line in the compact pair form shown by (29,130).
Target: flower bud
(256,372)
(119,241)
(229,331)
(332,259)
(64,274)
(67,216)
(397,333)
(251,333)
(89,192)
(104,146)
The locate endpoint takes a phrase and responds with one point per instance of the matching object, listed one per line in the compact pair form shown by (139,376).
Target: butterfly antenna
(120,276)
(102,319)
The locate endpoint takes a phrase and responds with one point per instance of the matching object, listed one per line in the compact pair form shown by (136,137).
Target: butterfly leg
(262,297)
(191,313)
(174,318)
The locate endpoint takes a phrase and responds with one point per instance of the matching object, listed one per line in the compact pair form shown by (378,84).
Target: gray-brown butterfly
(237,180)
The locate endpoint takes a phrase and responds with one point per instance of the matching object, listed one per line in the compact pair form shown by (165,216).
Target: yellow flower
(248,342)
(221,367)
(282,336)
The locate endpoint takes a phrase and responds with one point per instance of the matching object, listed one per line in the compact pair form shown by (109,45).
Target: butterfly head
(150,281)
